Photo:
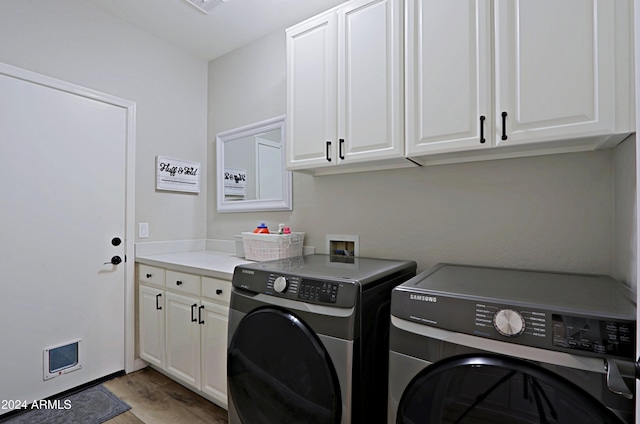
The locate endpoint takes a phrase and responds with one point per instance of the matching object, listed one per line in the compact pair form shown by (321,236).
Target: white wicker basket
(265,247)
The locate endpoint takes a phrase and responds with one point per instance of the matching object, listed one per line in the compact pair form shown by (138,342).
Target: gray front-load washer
(474,344)
(308,339)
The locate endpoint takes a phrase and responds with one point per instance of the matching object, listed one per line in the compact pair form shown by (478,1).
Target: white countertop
(202,262)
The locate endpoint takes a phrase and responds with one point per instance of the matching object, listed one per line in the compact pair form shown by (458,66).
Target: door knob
(114,260)
(116,241)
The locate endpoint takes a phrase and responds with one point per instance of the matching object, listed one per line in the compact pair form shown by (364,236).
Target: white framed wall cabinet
(518,75)
(345,88)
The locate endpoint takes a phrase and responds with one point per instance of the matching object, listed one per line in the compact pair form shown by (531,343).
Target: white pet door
(61,359)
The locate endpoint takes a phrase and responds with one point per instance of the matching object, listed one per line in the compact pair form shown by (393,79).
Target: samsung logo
(423,298)
(246,271)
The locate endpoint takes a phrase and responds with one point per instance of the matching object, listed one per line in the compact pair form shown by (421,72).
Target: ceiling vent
(206,5)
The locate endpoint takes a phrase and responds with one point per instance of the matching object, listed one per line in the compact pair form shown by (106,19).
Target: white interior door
(62,181)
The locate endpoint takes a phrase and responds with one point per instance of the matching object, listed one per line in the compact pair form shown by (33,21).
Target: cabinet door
(183,338)
(555,73)
(448,76)
(311,93)
(214,351)
(151,324)
(370,90)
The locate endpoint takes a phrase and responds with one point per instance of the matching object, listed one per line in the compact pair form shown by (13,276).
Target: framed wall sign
(177,175)
(235,182)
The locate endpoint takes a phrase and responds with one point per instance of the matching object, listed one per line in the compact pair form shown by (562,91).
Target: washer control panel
(520,324)
(593,335)
(508,321)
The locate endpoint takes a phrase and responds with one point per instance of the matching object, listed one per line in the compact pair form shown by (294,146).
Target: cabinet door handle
(482,119)
(200,320)
(504,125)
(148,275)
(178,283)
(340,145)
(219,291)
(327,153)
(193,312)
(158,307)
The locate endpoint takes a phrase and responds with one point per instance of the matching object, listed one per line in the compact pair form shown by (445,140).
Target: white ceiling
(226,27)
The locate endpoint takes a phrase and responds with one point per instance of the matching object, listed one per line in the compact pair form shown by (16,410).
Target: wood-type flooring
(156,399)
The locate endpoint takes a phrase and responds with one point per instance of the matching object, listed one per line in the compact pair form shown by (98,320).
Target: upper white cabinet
(345,88)
(312,95)
(449,75)
(517,75)
(557,69)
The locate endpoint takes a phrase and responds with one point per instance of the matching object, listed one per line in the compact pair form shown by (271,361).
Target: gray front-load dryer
(473,344)
(308,339)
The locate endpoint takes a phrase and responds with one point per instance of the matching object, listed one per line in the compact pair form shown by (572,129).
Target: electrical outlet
(143,230)
(343,245)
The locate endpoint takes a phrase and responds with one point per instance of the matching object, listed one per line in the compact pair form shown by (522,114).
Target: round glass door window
(496,389)
(279,372)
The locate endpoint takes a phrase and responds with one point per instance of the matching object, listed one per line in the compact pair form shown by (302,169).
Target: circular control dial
(280,284)
(508,322)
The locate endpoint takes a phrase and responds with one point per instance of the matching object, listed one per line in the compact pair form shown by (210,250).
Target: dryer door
(496,389)
(279,372)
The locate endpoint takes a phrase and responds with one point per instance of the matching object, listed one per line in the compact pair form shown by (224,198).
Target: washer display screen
(592,335)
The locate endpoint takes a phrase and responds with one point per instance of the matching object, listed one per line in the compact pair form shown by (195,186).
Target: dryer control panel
(304,289)
(318,291)
(341,294)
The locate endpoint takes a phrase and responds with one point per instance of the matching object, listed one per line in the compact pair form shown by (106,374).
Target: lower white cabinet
(183,329)
(214,350)
(182,342)
(151,324)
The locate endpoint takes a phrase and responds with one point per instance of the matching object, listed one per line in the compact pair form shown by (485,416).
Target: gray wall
(549,212)
(76,42)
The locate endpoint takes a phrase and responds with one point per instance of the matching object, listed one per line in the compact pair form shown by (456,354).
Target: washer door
(496,389)
(279,372)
